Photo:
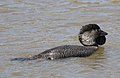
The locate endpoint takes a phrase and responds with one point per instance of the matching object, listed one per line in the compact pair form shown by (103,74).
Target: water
(28,27)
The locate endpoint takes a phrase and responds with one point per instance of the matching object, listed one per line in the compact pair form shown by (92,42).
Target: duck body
(66,51)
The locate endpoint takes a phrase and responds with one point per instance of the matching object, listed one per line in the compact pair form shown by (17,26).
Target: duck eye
(97,30)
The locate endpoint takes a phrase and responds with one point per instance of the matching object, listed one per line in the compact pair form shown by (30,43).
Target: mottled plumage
(67,51)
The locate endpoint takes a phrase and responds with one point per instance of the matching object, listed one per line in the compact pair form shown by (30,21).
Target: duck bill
(103,33)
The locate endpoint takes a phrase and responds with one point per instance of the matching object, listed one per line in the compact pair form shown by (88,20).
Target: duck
(91,36)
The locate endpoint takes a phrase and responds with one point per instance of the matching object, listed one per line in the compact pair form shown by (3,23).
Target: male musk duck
(90,36)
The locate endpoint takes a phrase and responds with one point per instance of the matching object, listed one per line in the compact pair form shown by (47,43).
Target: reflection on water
(28,27)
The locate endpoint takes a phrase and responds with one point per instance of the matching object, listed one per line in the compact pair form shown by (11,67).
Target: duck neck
(92,46)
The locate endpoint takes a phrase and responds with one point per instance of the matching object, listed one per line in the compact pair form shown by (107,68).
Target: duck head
(92,35)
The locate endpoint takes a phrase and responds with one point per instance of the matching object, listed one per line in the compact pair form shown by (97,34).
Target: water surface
(28,27)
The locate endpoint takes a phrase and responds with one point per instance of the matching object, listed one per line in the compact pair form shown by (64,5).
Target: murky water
(28,27)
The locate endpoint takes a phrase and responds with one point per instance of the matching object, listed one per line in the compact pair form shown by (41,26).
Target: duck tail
(27,59)
(21,59)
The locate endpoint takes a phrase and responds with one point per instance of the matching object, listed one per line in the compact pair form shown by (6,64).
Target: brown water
(28,27)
